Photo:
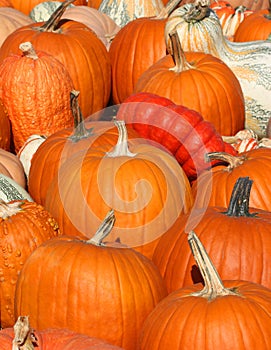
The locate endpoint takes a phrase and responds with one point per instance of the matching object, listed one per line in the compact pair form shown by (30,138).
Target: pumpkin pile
(135,144)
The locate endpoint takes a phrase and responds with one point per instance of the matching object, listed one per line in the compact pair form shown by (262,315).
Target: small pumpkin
(228,314)
(200,82)
(22,335)
(199,30)
(11,166)
(23,227)
(34,89)
(108,295)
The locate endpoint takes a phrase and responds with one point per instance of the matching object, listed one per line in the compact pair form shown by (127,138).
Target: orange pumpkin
(90,287)
(78,48)
(200,82)
(5,3)
(145,186)
(255,27)
(49,339)
(23,227)
(34,89)
(216,189)
(236,237)
(224,315)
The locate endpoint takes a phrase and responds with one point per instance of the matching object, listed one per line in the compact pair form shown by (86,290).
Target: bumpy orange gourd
(23,227)
(98,289)
(78,48)
(35,89)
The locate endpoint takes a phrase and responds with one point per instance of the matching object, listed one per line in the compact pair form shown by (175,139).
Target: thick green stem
(213,285)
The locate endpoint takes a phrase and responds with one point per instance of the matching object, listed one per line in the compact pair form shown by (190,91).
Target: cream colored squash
(199,29)
(124,11)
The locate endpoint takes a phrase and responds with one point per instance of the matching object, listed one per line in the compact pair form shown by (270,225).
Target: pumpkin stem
(174,47)
(198,11)
(9,209)
(166,11)
(239,202)
(24,337)
(28,50)
(51,24)
(80,130)
(213,285)
(231,160)
(121,148)
(104,229)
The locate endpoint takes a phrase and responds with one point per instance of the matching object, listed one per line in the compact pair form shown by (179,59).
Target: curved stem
(104,229)
(231,160)
(198,11)
(51,24)
(213,285)
(166,11)
(28,50)
(9,209)
(239,202)
(121,148)
(177,53)
(24,337)
(80,130)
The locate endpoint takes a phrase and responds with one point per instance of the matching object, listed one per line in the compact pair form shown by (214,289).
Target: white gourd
(199,29)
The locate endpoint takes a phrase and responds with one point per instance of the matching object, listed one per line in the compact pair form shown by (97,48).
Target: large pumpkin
(90,287)
(35,89)
(78,48)
(236,237)
(200,82)
(199,30)
(145,186)
(224,315)
(22,335)
(23,227)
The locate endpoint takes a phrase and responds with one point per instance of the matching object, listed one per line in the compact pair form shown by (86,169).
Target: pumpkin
(94,3)
(144,184)
(5,3)
(228,314)
(34,89)
(258,27)
(78,48)
(216,187)
(108,295)
(229,17)
(5,129)
(236,237)
(182,131)
(11,166)
(27,151)
(103,26)
(10,20)
(135,47)
(22,336)
(11,190)
(123,12)
(27,5)
(24,226)
(85,135)
(200,82)
(199,29)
